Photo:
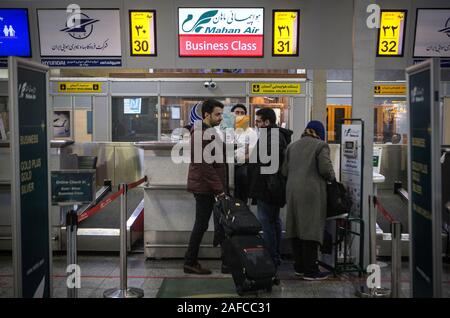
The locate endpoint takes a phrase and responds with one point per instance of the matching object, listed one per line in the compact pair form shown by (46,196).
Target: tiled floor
(101,272)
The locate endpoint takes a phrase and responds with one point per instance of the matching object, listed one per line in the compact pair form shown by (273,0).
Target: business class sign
(221,32)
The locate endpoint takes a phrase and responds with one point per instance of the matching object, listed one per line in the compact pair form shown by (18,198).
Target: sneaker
(196,269)
(316,276)
(299,274)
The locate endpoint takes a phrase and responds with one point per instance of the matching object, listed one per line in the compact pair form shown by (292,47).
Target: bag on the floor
(234,217)
(339,200)
(249,262)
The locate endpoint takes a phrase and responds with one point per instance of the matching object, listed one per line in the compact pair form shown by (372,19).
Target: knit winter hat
(317,126)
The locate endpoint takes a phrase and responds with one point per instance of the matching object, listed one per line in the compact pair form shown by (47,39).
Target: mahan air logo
(203,19)
(446,29)
(79,26)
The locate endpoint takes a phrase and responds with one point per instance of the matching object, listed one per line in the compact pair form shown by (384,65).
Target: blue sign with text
(14,33)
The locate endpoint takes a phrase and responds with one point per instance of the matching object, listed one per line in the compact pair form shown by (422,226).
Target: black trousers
(305,256)
(204,204)
(241,182)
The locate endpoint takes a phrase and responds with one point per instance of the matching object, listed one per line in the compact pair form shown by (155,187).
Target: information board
(285,32)
(391,35)
(142,33)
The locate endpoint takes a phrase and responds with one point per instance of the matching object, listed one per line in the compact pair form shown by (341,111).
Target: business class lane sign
(221,32)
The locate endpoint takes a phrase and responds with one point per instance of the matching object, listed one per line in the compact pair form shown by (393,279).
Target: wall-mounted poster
(221,32)
(285,32)
(14,33)
(61,124)
(391,35)
(90,33)
(432,37)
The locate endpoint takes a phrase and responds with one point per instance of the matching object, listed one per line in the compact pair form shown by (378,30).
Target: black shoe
(196,269)
(225,269)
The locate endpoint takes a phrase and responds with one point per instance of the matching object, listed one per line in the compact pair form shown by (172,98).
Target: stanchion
(71,236)
(396,230)
(365,291)
(123,291)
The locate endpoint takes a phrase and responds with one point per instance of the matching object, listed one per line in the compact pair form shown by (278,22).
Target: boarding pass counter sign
(276,88)
(142,31)
(285,33)
(391,33)
(221,32)
(79,87)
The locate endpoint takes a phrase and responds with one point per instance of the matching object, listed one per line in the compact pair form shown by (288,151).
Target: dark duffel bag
(250,263)
(339,200)
(235,217)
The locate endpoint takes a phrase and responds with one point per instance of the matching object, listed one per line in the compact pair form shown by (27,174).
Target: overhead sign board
(285,32)
(142,33)
(90,33)
(276,88)
(432,38)
(14,33)
(391,34)
(221,32)
(79,87)
(389,90)
(73,186)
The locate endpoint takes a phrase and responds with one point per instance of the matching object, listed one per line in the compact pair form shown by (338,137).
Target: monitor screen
(132,105)
(175,112)
(14,33)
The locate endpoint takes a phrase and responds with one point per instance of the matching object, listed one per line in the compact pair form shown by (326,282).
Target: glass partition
(134,118)
(390,121)
(176,112)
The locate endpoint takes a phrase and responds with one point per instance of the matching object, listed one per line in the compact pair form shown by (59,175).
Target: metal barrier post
(123,291)
(71,236)
(396,230)
(372,231)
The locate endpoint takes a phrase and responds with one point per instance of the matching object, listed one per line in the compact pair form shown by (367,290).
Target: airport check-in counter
(169,210)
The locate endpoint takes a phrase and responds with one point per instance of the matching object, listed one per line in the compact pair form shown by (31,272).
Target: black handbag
(339,200)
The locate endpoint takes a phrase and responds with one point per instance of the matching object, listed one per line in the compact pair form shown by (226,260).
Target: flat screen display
(132,105)
(14,33)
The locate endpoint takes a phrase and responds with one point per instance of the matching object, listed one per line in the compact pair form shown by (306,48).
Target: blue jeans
(269,216)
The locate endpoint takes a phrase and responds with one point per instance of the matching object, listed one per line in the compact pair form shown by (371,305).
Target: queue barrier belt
(108,200)
(383,211)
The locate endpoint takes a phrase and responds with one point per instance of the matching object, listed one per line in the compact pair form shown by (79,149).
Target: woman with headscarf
(307,167)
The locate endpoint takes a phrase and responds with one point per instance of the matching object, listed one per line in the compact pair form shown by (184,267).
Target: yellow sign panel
(391,33)
(285,33)
(276,88)
(142,31)
(79,87)
(390,90)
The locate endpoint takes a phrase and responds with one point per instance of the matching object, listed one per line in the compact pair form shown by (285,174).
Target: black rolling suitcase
(250,263)
(243,248)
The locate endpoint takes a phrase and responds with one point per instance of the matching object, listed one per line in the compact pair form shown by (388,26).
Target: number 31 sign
(285,32)
(391,34)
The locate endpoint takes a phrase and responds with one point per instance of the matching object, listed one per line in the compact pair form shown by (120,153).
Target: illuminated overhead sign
(221,32)
(142,33)
(276,88)
(432,33)
(14,34)
(389,89)
(391,34)
(285,32)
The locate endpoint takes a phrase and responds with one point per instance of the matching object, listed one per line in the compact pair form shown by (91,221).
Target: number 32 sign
(391,34)
(285,32)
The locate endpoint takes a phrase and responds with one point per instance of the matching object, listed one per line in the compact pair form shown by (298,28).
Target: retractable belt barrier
(383,211)
(396,253)
(101,205)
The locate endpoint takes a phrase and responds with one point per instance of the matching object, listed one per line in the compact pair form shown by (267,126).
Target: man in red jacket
(206,181)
